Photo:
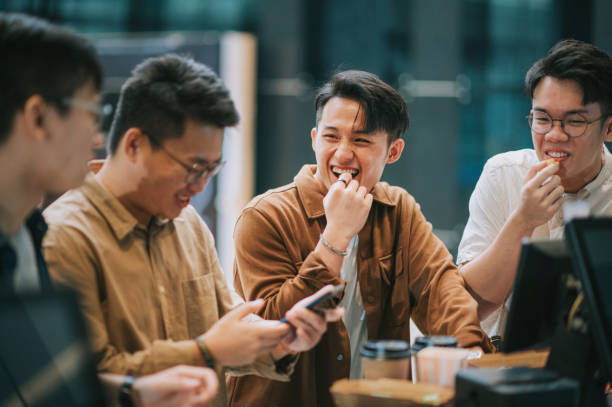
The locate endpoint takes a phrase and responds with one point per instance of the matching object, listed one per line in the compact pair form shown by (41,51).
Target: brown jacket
(404,270)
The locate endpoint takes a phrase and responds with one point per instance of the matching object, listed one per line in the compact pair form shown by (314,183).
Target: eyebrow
(203,162)
(368,133)
(565,113)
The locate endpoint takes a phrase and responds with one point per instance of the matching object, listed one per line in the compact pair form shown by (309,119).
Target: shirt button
(162,289)
(340,357)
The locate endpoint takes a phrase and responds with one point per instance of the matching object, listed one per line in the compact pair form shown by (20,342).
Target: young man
(521,193)
(336,223)
(143,260)
(48,130)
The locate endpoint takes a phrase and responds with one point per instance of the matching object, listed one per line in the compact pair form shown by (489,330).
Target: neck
(19,193)
(586,178)
(113,177)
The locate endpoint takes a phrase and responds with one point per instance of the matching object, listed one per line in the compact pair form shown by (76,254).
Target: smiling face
(579,158)
(163,191)
(340,145)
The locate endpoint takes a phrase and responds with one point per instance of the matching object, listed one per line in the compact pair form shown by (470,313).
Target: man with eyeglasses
(521,193)
(142,259)
(49,127)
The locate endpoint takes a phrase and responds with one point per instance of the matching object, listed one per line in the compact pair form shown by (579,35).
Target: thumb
(242,311)
(534,170)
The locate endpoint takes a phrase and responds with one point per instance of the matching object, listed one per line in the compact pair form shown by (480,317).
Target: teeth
(183,197)
(557,155)
(339,171)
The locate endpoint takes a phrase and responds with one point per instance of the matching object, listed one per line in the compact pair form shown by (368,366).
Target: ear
(395,150)
(33,117)
(313,136)
(607,128)
(134,143)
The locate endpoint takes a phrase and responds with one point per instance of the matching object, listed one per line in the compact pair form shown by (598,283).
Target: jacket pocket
(199,296)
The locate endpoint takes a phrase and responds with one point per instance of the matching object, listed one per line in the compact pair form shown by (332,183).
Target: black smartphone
(335,291)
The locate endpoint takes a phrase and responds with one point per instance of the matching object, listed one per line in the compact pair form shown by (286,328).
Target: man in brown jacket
(337,224)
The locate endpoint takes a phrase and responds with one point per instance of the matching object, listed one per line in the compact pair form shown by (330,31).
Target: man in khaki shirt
(142,259)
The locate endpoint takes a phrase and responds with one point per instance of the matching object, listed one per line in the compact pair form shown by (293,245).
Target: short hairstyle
(384,109)
(587,65)
(163,92)
(39,58)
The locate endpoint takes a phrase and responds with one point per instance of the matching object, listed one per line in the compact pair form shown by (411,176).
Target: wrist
(338,242)
(204,350)
(126,392)
(521,225)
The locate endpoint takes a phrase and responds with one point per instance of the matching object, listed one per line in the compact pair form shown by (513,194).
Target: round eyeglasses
(573,124)
(195,172)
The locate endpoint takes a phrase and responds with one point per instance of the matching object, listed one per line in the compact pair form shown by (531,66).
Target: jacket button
(340,357)
(371,298)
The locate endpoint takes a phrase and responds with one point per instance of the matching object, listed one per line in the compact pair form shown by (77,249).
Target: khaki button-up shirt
(146,291)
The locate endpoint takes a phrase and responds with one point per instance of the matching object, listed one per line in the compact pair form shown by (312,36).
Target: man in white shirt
(521,193)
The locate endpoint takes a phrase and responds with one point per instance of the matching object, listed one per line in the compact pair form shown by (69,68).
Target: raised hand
(541,195)
(347,206)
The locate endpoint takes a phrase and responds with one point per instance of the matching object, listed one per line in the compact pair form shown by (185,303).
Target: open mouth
(337,171)
(557,155)
(183,199)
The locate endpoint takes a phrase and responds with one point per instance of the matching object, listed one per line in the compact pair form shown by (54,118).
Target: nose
(97,140)
(556,133)
(199,185)
(344,152)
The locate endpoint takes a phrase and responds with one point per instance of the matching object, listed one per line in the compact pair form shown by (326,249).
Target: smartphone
(335,291)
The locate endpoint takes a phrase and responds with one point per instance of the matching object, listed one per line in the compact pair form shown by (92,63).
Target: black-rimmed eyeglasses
(573,124)
(195,172)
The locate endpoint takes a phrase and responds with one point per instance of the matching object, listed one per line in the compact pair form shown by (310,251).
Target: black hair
(39,58)
(163,92)
(384,109)
(587,65)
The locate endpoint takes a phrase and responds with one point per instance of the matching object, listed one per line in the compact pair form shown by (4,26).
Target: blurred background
(459,64)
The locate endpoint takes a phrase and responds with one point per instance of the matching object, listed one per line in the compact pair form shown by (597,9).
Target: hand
(540,200)
(234,342)
(177,386)
(309,326)
(347,206)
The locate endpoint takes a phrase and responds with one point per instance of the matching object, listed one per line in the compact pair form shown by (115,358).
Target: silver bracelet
(336,251)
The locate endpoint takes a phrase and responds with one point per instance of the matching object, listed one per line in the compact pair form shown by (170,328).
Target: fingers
(333,314)
(251,307)
(534,170)
(545,173)
(307,300)
(345,177)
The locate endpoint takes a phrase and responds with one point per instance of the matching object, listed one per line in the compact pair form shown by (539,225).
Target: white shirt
(354,317)
(497,194)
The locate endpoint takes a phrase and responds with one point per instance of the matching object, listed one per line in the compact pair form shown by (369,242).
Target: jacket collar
(311,192)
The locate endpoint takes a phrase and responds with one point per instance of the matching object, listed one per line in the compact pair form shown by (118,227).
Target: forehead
(199,142)
(558,96)
(341,113)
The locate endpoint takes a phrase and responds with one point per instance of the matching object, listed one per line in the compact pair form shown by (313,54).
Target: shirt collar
(311,192)
(600,179)
(118,217)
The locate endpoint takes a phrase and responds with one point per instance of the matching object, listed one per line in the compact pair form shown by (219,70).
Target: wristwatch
(125,392)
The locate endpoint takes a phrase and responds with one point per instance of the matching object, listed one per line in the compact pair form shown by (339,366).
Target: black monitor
(44,354)
(590,241)
(541,297)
